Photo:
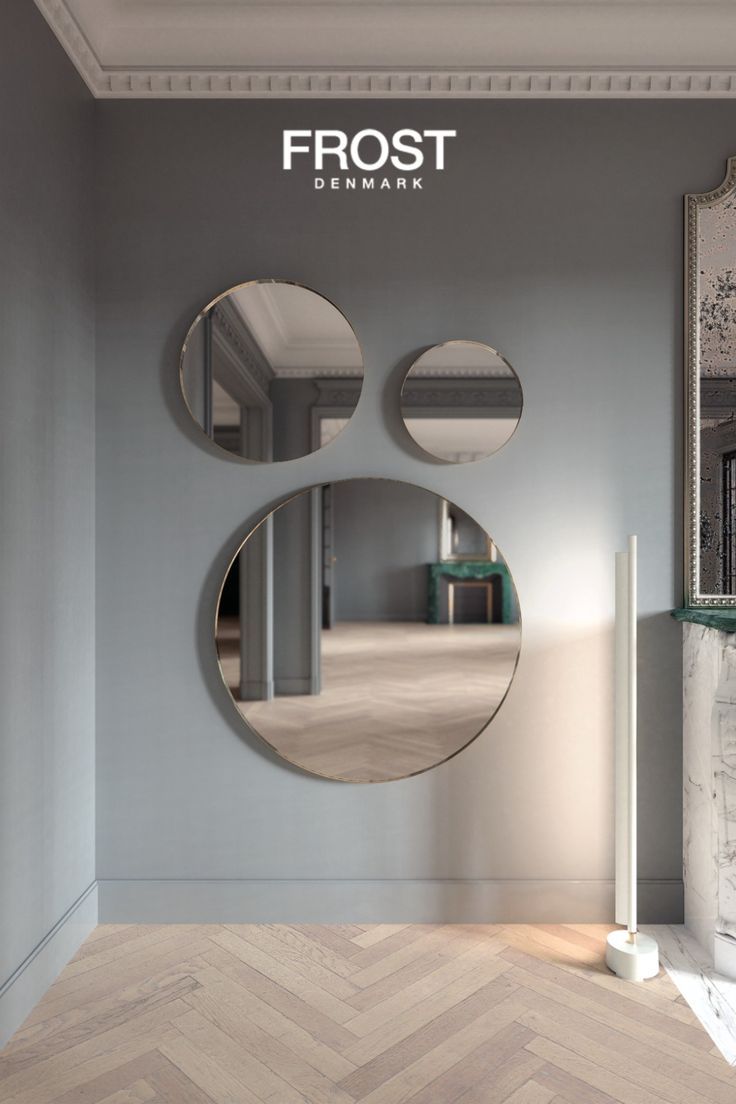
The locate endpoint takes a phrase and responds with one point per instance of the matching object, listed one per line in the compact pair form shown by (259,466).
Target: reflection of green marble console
(469,569)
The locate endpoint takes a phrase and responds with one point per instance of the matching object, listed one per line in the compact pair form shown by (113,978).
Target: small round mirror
(461,401)
(271,371)
(368,630)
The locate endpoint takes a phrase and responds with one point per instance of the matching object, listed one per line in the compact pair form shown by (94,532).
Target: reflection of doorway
(328,559)
(230,597)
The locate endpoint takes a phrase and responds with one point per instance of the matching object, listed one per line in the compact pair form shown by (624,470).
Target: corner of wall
(26,986)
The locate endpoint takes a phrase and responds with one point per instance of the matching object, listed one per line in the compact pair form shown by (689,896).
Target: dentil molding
(409,49)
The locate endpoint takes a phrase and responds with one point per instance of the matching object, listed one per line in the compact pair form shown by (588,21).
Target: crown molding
(72,38)
(407,84)
(141,81)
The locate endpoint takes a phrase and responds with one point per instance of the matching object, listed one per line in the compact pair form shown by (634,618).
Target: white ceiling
(303,335)
(395,48)
(300,333)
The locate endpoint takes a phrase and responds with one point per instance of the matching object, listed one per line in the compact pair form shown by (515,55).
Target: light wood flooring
(386,1014)
(397,697)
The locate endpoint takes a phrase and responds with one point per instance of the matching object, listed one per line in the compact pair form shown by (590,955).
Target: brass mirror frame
(694,203)
(314,491)
(202,317)
(429,410)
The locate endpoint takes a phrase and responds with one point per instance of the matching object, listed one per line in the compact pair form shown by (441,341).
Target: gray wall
(385,535)
(47,851)
(555,235)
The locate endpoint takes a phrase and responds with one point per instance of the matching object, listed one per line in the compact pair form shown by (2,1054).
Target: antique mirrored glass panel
(461,401)
(711,416)
(358,640)
(271,371)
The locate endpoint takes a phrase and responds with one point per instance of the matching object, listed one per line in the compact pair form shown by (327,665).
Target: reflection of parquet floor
(396,697)
(387,1014)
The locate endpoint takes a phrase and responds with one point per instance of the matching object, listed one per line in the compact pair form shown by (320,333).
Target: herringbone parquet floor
(396,698)
(386,1014)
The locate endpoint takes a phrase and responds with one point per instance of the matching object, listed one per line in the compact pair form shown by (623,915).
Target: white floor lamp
(630,954)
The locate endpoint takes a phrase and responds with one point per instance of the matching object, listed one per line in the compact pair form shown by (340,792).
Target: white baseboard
(131,901)
(28,983)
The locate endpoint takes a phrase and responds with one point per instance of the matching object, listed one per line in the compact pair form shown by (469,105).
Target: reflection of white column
(256,615)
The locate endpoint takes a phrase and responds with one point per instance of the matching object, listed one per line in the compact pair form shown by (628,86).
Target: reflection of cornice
(492,394)
(281,326)
(492,371)
(228,327)
(343,394)
(344,372)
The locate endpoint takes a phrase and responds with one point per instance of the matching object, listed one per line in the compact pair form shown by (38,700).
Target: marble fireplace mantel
(723,619)
(709,784)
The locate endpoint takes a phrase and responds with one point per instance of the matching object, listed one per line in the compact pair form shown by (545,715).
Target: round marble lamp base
(632,957)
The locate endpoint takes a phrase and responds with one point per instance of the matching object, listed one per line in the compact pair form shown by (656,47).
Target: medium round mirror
(461,401)
(368,630)
(271,371)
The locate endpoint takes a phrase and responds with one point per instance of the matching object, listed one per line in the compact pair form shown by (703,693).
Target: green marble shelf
(469,569)
(723,618)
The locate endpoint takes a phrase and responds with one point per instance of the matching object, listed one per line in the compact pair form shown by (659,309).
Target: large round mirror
(461,401)
(368,630)
(271,371)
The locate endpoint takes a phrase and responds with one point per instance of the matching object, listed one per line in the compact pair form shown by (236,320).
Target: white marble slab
(702,663)
(711,996)
(724,776)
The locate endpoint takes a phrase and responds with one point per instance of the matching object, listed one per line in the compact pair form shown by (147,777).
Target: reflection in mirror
(716,274)
(271,371)
(461,401)
(352,645)
(461,537)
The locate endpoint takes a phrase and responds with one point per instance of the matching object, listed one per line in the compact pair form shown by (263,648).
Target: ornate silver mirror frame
(710,395)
